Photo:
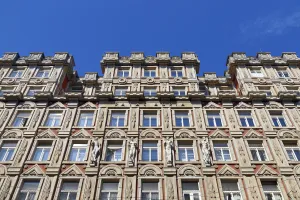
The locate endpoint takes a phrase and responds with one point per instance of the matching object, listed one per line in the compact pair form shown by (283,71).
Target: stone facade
(150,128)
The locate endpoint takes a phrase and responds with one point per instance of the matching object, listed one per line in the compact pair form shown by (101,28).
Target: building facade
(149,128)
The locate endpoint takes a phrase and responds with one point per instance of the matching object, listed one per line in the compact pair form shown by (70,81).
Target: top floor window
(278,119)
(179,91)
(149,92)
(16,73)
(43,73)
(22,119)
(256,73)
(176,72)
(283,74)
(120,91)
(123,72)
(33,90)
(6,90)
(266,89)
(149,73)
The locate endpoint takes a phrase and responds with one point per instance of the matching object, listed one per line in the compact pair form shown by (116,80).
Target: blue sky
(212,29)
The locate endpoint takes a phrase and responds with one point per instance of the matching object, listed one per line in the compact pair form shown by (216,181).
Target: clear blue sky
(212,29)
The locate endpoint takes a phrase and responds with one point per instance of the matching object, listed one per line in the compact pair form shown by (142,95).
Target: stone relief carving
(170,189)
(252,190)
(135,87)
(199,118)
(169,151)
(87,189)
(132,143)
(47,187)
(206,152)
(35,118)
(166,118)
(211,191)
(22,151)
(164,87)
(133,118)
(232,120)
(96,151)
(4,117)
(264,119)
(58,151)
(129,189)
(242,153)
(278,152)
(5,188)
(68,119)
(101,118)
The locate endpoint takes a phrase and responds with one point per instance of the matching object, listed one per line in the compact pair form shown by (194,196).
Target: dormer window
(42,73)
(123,72)
(176,72)
(257,73)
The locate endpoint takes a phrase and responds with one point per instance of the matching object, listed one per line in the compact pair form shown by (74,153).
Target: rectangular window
(246,118)
(190,191)
(68,190)
(256,73)
(283,74)
(86,119)
(16,73)
(222,151)
(257,151)
(28,190)
(6,90)
(150,73)
(53,119)
(231,190)
(42,73)
(22,119)
(120,91)
(214,118)
(182,118)
(42,152)
(114,152)
(123,72)
(292,150)
(267,90)
(109,191)
(278,119)
(32,90)
(7,150)
(76,88)
(176,72)
(271,190)
(149,151)
(150,92)
(150,119)
(179,91)
(186,152)
(150,191)
(117,119)
(78,152)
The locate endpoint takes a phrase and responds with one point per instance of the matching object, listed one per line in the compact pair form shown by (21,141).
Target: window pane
(275,122)
(190,153)
(69,186)
(190,186)
(218,154)
(290,154)
(250,122)
(254,155)
(211,122)
(182,154)
(297,153)
(149,186)
(282,122)
(243,122)
(145,155)
(30,185)
(153,155)
(218,122)
(110,186)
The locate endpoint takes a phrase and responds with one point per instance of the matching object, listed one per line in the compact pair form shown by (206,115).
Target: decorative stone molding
(184,133)
(116,133)
(150,133)
(150,170)
(227,170)
(111,170)
(189,170)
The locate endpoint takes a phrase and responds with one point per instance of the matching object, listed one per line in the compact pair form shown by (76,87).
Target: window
(123,72)
(292,150)
(257,151)
(271,190)
(214,118)
(28,190)
(68,190)
(86,119)
(43,73)
(7,150)
(179,91)
(114,152)
(16,73)
(22,119)
(267,90)
(117,119)
(222,151)
(176,72)
(246,118)
(6,90)
(76,88)
(150,191)
(150,119)
(182,118)
(109,191)
(294,89)
(42,152)
(149,91)
(120,91)
(53,119)
(186,152)
(32,90)
(190,191)
(149,151)
(278,119)
(78,152)
(256,73)
(149,73)
(283,74)
(231,190)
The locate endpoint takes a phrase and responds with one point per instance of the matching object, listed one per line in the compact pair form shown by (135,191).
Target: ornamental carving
(122,80)
(150,80)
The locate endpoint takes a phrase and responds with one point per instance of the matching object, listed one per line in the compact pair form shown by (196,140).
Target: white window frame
(54,120)
(222,149)
(123,70)
(36,191)
(246,117)
(180,90)
(151,71)
(115,146)
(178,114)
(232,192)
(191,192)
(257,73)
(70,191)
(86,118)
(278,116)
(214,117)
(122,90)
(257,149)
(152,90)
(149,150)
(273,192)
(31,88)
(176,70)
(79,146)
(43,75)
(153,114)
(109,191)
(281,73)
(186,147)
(150,191)
(118,118)
(6,153)
(43,147)
(19,73)
(28,119)
(267,89)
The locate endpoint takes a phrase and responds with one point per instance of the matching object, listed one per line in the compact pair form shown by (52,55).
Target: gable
(57,105)
(218,134)
(47,134)
(88,105)
(252,134)
(212,105)
(72,171)
(81,134)
(34,171)
(265,170)
(243,105)
(227,170)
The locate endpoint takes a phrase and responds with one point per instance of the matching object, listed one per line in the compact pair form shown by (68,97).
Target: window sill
(38,162)
(75,162)
(225,162)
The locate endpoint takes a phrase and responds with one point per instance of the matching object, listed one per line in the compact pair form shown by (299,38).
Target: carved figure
(132,150)
(206,151)
(96,151)
(169,148)
(133,119)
